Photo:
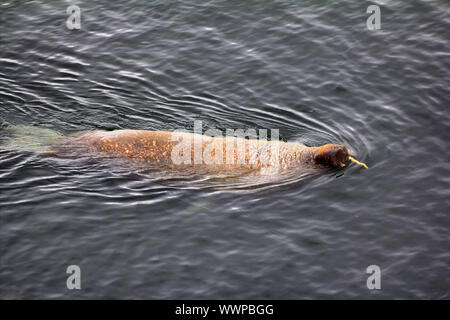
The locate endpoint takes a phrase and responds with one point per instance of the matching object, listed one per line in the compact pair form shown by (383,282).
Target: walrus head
(331,155)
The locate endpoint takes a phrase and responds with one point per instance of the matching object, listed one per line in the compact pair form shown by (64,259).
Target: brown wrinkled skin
(157,146)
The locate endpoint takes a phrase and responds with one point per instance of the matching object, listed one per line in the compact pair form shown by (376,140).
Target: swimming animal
(177,150)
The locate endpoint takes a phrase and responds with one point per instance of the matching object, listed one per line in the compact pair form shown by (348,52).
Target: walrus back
(163,148)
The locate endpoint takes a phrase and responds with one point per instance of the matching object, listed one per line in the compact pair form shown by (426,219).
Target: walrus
(164,148)
(178,150)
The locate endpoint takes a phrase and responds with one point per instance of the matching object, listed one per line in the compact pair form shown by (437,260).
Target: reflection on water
(311,70)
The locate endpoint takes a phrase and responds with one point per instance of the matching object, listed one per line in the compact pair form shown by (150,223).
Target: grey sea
(312,69)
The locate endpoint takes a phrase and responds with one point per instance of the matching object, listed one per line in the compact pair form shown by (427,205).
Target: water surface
(310,69)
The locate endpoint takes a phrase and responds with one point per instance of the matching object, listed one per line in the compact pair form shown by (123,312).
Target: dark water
(312,69)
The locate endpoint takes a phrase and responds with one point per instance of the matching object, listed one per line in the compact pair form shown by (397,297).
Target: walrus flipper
(29,138)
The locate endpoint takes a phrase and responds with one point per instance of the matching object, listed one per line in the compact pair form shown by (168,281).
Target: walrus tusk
(357,162)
